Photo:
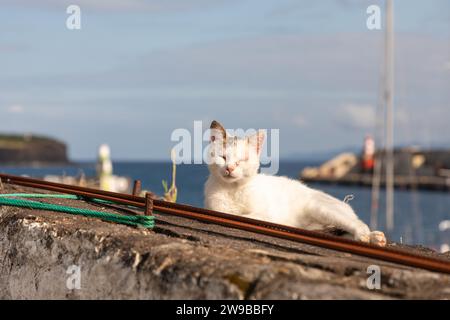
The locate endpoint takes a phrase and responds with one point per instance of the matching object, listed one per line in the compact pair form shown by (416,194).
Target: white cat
(234,186)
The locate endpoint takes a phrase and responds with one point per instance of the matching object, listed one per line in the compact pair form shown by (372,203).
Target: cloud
(300,121)
(118,5)
(266,63)
(271,65)
(447,66)
(12,48)
(363,116)
(15,109)
(357,116)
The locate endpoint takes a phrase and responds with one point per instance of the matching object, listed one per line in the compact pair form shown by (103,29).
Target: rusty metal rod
(252,225)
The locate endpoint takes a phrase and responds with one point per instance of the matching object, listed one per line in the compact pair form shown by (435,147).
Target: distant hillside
(26,149)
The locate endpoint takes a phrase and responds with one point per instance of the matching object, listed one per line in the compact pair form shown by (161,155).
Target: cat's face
(233,159)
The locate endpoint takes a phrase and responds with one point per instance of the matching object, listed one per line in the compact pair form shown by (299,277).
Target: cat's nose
(230,169)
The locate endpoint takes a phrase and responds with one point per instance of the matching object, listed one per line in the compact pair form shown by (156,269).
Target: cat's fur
(234,186)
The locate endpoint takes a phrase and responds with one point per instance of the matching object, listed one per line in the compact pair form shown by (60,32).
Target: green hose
(40,195)
(137,221)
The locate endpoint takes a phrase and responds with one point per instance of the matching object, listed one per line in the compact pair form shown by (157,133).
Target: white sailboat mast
(389,96)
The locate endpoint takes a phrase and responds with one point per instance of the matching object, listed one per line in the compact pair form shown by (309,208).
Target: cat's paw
(363,234)
(363,237)
(378,238)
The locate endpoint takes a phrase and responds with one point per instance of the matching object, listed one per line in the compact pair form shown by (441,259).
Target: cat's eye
(224,158)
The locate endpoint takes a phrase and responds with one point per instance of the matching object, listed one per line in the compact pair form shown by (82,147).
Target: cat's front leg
(327,210)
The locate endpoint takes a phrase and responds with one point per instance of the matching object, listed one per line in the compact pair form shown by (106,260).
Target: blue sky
(137,70)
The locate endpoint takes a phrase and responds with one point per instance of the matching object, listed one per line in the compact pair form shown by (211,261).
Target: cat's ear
(257,140)
(218,132)
(261,136)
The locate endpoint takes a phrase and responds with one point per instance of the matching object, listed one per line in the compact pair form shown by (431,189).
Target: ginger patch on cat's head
(257,141)
(218,132)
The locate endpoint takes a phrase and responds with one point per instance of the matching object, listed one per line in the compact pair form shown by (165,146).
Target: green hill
(26,149)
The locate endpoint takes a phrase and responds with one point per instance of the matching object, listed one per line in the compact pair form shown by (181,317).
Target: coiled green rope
(137,221)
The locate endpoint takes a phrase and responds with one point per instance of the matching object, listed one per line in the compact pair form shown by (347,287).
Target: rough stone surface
(184,259)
